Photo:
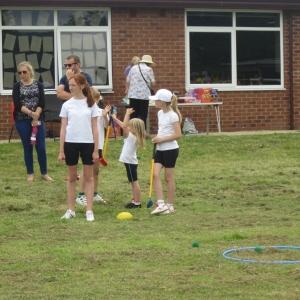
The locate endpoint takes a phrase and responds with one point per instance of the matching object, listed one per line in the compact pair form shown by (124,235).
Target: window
(46,37)
(234,50)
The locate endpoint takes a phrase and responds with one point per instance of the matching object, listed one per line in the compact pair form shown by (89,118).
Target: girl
(169,130)
(135,131)
(79,136)
(102,124)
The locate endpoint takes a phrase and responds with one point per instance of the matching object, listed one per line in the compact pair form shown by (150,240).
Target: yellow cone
(124,215)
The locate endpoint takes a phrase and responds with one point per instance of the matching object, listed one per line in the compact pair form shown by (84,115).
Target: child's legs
(81,182)
(86,153)
(169,178)
(157,182)
(131,170)
(89,185)
(71,185)
(136,191)
(96,174)
(166,159)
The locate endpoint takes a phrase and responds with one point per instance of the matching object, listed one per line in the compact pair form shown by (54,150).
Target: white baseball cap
(163,95)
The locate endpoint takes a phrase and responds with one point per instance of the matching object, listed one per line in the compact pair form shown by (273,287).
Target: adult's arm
(62,94)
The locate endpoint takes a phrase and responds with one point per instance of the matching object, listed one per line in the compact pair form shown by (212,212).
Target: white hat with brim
(162,95)
(147,59)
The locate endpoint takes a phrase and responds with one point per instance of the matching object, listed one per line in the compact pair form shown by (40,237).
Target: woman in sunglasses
(29,101)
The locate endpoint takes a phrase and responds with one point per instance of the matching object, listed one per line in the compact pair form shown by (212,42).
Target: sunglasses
(22,72)
(69,65)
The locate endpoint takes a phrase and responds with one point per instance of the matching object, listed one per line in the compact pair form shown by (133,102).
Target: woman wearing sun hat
(138,83)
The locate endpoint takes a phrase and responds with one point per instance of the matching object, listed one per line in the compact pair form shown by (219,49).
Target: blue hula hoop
(280,262)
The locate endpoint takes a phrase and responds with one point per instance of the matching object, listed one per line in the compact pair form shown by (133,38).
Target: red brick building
(250,51)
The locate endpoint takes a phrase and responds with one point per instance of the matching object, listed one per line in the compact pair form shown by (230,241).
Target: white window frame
(232,30)
(57,44)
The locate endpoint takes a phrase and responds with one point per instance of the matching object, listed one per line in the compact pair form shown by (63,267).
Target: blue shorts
(166,158)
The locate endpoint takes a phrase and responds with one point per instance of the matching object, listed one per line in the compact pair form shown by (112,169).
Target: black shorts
(167,158)
(131,172)
(74,150)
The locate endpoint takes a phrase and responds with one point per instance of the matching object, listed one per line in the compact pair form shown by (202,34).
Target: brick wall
(160,33)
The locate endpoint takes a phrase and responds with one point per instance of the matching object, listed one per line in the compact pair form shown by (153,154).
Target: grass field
(232,192)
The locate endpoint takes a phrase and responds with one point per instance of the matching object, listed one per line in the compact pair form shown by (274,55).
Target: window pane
(197,18)
(258,58)
(27,18)
(36,46)
(91,48)
(82,18)
(210,53)
(257,20)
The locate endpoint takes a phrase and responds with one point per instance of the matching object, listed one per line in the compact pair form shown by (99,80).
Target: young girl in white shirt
(79,137)
(136,134)
(102,124)
(169,131)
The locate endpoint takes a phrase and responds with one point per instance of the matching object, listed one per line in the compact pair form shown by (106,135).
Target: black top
(31,96)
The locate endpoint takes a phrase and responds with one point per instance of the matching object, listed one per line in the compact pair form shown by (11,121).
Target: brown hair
(75,58)
(86,90)
(137,128)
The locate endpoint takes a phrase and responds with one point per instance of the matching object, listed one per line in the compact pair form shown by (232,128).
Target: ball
(124,216)
(195,244)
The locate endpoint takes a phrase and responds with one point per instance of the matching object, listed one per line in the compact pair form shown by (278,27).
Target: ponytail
(86,91)
(174,105)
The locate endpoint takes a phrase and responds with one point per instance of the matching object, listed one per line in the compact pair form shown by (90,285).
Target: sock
(160,202)
(95,193)
(170,206)
(81,194)
(136,202)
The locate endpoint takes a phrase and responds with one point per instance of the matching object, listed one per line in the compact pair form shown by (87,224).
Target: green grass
(232,191)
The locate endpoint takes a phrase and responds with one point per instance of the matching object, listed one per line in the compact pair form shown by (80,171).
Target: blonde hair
(28,66)
(95,94)
(174,105)
(137,128)
(135,60)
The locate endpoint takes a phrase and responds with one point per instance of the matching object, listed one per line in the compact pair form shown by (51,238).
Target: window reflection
(210,57)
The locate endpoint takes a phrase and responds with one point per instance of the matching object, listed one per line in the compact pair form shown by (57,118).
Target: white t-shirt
(79,123)
(165,128)
(101,128)
(128,154)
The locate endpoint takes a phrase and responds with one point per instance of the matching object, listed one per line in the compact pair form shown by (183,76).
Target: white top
(79,123)
(128,154)
(101,128)
(165,128)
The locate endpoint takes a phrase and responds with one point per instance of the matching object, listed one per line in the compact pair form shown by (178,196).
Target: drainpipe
(291,71)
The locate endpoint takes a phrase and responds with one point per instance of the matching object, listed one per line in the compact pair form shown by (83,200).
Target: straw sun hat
(147,59)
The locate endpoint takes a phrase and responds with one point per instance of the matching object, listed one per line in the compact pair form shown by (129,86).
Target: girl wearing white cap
(169,130)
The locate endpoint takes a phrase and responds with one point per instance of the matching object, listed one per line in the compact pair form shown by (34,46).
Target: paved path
(200,134)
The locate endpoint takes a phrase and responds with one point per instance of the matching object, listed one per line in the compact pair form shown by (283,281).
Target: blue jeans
(24,129)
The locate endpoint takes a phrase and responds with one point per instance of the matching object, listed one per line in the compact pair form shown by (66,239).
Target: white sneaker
(159,209)
(69,214)
(168,211)
(81,200)
(99,198)
(89,216)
